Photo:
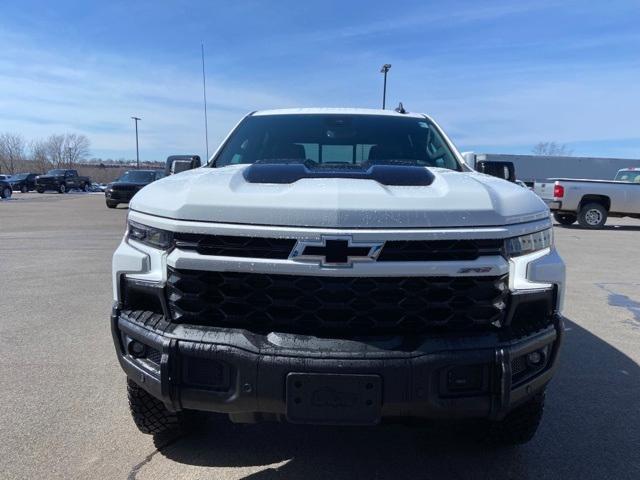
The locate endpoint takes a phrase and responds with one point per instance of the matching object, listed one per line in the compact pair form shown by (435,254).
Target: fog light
(536,358)
(137,349)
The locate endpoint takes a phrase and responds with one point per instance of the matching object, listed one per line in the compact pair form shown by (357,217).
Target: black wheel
(592,215)
(520,425)
(24,189)
(40,190)
(111,204)
(565,218)
(152,417)
(62,188)
(6,192)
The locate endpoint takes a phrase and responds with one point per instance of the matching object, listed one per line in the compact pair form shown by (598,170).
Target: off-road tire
(40,190)
(152,417)
(6,192)
(520,425)
(590,212)
(62,188)
(111,204)
(565,218)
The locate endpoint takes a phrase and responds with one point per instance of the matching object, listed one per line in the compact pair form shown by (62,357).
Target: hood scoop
(286,173)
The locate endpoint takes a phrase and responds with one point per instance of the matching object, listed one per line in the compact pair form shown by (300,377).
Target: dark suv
(125,187)
(23,182)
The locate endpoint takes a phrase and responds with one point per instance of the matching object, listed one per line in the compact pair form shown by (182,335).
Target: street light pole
(136,119)
(385,68)
(204,94)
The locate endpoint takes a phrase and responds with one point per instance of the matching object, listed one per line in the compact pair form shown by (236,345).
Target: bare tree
(39,156)
(65,151)
(11,152)
(552,149)
(54,147)
(76,148)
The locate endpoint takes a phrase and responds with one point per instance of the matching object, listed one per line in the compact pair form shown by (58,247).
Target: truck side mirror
(181,163)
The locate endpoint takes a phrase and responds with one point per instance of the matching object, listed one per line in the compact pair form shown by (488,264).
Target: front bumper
(245,374)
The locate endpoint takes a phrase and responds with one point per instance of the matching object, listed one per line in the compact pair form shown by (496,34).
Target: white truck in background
(591,202)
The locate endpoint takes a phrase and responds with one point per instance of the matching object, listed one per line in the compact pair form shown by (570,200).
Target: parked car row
(119,191)
(60,180)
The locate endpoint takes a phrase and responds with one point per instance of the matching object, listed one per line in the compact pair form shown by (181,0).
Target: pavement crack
(136,468)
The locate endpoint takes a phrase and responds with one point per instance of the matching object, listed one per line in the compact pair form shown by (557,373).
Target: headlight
(529,243)
(154,237)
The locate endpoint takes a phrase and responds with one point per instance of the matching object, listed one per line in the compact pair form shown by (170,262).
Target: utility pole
(136,119)
(204,94)
(385,68)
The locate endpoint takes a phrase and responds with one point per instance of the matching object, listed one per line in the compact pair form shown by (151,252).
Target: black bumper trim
(412,377)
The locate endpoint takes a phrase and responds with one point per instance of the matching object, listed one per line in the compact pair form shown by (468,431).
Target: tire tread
(520,425)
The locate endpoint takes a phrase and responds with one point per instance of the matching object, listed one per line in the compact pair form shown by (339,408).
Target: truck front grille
(335,305)
(230,246)
(392,251)
(125,188)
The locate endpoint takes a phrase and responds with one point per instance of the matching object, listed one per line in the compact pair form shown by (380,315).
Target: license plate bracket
(334,399)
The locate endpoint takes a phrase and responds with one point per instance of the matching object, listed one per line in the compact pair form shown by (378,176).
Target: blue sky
(498,76)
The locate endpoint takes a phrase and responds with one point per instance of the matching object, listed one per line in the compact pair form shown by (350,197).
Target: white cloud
(45,91)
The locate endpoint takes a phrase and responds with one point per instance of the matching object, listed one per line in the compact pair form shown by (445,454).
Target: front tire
(85,187)
(111,204)
(565,218)
(62,188)
(40,190)
(6,193)
(520,425)
(592,215)
(24,189)
(152,417)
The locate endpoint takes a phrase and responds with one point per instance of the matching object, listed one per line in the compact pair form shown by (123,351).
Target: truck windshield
(337,140)
(19,176)
(628,176)
(137,176)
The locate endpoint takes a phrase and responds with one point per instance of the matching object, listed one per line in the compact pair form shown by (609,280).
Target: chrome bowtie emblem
(336,251)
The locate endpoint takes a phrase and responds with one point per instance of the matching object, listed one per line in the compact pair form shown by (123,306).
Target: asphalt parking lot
(63,407)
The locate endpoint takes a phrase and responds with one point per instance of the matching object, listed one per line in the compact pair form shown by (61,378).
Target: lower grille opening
(154,355)
(335,305)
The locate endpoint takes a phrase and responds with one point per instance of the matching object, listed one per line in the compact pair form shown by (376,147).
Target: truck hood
(454,199)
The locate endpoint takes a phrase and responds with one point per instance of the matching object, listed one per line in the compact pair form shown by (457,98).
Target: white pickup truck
(338,266)
(590,202)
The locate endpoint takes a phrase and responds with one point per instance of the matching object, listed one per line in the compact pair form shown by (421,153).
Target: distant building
(538,167)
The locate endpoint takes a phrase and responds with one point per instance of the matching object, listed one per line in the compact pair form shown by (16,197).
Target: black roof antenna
(400,108)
